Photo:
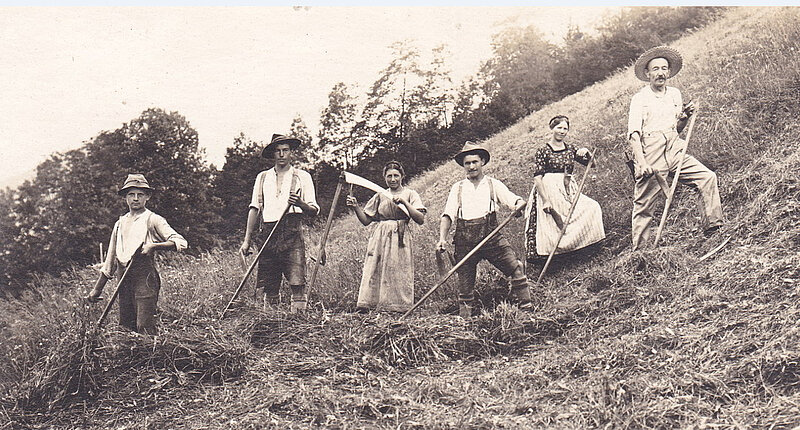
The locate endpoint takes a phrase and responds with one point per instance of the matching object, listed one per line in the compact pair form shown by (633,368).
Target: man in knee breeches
(472,205)
(275,190)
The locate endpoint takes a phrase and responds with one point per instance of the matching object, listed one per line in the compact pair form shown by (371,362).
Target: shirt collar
(272,171)
(136,217)
(484,179)
(648,90)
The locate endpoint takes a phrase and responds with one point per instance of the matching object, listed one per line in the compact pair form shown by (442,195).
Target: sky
(67,74)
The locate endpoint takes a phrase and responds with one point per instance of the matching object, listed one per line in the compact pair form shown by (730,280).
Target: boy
(138,295)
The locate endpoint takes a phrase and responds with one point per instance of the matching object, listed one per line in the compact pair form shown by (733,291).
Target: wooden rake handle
(114,296)
(253,264)
(321,250)
(569,215)
(671,195)
(460,263)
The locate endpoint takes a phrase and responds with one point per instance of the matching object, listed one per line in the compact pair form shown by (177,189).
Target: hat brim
(123,191)
(673,57)
(460,156)
(269,149)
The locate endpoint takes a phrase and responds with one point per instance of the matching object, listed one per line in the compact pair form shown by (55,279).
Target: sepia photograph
(399,217)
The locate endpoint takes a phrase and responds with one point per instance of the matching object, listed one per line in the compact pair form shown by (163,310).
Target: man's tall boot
(522,292)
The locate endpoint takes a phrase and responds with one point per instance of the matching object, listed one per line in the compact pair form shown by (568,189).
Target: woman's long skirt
(387,282)
(585,227)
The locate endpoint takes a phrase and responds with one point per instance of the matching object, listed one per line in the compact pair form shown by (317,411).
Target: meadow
(618,339)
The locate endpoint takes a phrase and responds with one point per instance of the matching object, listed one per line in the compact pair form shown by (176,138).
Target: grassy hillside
(619,339)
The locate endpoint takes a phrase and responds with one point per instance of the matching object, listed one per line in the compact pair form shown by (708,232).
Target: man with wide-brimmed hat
(138,295)
(276,189)
(472,205)
(657,115)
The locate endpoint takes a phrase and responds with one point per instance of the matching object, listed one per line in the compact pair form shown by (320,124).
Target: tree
(305,154)
(389,111)
(519,76)
(434,97)
(233,186)
(164,147)
(58,218)
(337,144)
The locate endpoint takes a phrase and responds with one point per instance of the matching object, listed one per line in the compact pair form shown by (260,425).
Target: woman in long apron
(555,190)
(387,282)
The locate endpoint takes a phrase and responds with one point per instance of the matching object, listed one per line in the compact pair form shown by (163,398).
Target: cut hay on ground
(115,368)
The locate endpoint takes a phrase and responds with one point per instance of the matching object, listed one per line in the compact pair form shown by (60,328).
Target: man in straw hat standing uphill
(657,114)
(281,190)
(138,293)
(471,204)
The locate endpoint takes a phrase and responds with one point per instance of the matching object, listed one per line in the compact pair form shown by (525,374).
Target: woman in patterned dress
(555,190)
(387,282)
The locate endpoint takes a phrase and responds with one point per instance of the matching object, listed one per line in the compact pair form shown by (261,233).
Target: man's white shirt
(275,200)
(651,112)
(475,200)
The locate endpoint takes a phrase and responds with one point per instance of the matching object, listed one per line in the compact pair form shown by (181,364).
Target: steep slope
(740,71)
(619,339)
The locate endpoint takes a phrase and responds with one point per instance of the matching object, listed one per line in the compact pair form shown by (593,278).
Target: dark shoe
(711,230)
(520,290)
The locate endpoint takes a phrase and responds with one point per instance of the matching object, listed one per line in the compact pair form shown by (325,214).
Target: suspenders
(492,203)
(261,176)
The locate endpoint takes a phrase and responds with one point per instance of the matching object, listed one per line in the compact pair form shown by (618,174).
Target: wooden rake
(569,215)
(671,195)
(253,264)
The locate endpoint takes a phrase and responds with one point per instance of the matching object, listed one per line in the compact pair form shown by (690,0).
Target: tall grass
(741,70)
(652,339)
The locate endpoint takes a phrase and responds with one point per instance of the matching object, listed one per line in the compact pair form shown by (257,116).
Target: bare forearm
(416,215)
(444,228)
(413,212)
(252,219)
(538,181)
(361,215)
(306,208)
(164,246)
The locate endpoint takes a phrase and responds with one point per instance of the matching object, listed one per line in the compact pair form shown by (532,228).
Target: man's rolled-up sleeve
(635,117)
(309,194)
(451,207)
(254,198)
(110,265)
(505,196)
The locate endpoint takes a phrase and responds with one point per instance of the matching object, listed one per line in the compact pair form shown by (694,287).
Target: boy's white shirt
(132,230)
